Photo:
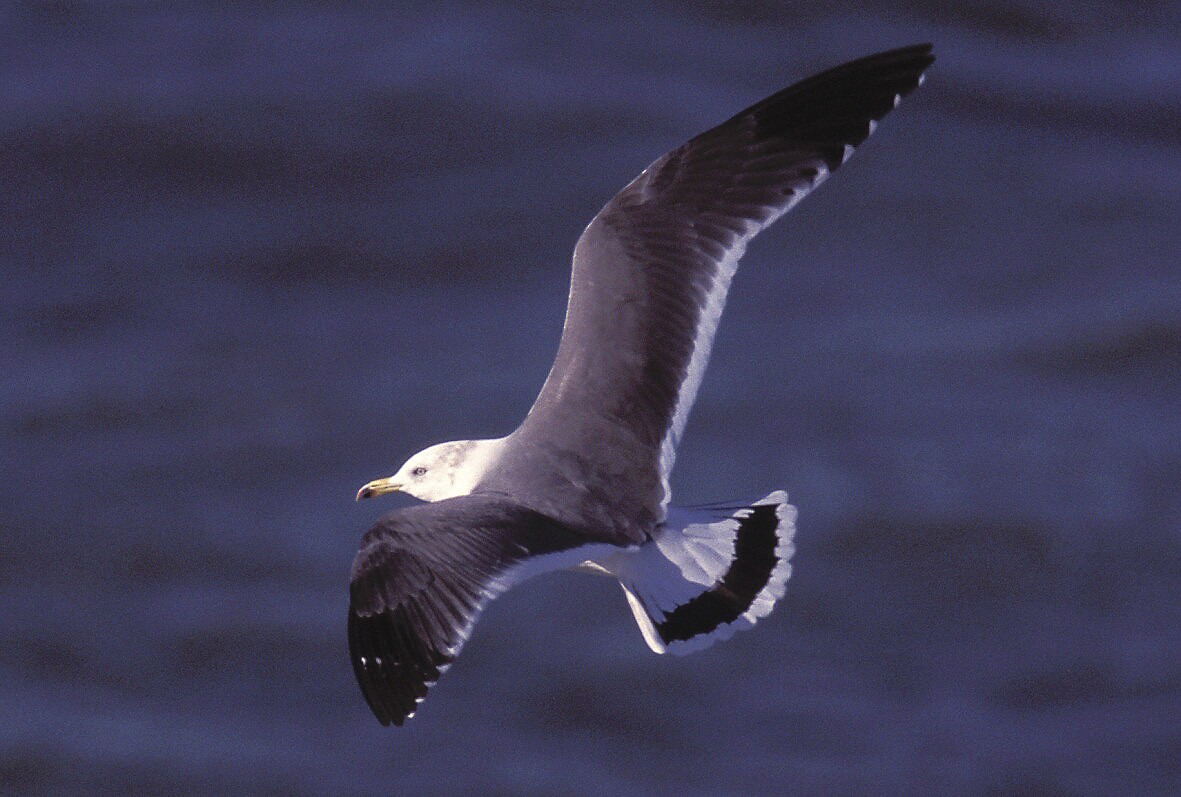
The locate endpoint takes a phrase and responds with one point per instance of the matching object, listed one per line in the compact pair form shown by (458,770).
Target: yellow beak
(378,487)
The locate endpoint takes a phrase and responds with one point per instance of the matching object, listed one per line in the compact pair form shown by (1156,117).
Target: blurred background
(252,258)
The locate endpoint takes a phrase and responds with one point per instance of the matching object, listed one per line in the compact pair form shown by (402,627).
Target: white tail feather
(708,572)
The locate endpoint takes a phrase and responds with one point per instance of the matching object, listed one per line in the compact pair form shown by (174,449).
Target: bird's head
(442,471)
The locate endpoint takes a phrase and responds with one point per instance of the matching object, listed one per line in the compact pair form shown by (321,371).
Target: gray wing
(650,278)
(422,577)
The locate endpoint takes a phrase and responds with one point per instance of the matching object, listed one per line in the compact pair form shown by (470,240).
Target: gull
(583,482)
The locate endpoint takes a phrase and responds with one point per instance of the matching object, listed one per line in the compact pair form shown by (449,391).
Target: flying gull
(583,482)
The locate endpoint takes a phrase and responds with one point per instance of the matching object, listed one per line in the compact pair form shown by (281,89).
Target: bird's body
(583,482)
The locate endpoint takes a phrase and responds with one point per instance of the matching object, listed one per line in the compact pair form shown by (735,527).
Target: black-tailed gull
(583,482)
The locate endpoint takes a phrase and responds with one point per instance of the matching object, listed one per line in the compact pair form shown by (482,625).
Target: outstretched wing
(652,269)
(422,577)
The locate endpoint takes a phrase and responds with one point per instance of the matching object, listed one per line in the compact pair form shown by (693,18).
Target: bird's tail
(708,572)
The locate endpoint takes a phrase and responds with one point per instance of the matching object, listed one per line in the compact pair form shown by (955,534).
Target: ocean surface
(253,257)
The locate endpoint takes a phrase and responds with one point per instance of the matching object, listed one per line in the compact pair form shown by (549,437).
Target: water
(252,259)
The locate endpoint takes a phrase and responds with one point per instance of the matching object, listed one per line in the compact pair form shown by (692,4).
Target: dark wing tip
(901,70)
(394,664)
(838,107)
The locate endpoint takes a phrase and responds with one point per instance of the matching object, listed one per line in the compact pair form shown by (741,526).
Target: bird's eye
(419,471)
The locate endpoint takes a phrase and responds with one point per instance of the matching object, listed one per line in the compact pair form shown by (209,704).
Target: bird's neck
(479,458)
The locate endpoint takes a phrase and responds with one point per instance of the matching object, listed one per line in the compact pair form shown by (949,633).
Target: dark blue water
(252,259)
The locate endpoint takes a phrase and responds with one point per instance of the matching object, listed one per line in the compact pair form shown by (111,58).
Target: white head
(441,471)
